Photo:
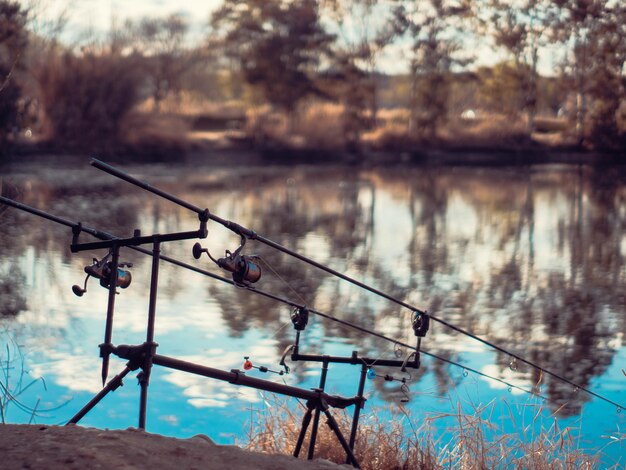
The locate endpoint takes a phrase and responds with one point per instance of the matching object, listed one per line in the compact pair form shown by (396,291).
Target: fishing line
(432,355)
(108,236)
(252,235)
(289,286)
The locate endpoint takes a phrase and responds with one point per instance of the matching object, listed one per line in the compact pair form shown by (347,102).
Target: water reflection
(532,260)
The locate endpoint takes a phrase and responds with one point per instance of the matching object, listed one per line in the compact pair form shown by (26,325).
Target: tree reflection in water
(12,300)
(531,259)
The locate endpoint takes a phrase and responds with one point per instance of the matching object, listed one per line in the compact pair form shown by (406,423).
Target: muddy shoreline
(40,447)
(233,154)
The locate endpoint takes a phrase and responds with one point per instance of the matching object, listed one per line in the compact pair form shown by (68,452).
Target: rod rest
(412,360)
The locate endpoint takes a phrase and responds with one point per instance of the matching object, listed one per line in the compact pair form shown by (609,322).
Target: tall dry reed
(466,440)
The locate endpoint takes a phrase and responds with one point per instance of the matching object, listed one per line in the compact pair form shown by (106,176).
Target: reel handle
(197,250)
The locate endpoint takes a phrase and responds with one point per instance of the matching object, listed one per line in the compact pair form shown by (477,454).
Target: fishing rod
(246,233)
(107,236)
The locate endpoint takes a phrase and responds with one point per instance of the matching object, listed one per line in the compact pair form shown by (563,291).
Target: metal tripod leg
(318,407)
(113,385)
(321,406)
(313,440)
(332,423)
(146,368)
(357,409)
(305,424)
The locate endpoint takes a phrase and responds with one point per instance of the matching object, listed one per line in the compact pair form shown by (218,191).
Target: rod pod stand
(149,346)
(299,318)
(107,236)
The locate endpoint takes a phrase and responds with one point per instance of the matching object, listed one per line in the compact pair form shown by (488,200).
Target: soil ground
(39,447)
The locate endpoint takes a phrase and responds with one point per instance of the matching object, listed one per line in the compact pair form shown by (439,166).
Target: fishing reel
(244,268)
(102,270)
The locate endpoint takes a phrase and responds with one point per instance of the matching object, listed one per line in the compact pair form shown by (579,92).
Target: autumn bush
(86,98)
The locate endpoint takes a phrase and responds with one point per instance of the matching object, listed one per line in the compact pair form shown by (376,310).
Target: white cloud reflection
(77,373)
(203,392)
(514,378)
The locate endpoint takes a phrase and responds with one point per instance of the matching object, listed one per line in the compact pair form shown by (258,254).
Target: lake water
(531,259)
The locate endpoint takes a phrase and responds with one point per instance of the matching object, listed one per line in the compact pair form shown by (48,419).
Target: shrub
(13,41)
(87,97)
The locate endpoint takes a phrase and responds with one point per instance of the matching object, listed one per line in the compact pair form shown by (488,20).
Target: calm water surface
(532,259)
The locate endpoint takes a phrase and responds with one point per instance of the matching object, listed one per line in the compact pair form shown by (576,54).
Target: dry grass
(320,126)
(488,130)
(190,105)
(316,126)
(379,445)
(485,131)
(552,125)
(155,135)
(472,441)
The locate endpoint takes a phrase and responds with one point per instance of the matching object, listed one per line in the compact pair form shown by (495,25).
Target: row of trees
(283,48)
(288,52)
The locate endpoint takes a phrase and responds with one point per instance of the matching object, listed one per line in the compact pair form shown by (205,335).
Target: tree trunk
(581,100)
(580,115)
(413,103)
(531,97)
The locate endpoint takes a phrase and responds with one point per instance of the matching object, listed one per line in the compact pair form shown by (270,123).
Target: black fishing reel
(102,270)
(244,268)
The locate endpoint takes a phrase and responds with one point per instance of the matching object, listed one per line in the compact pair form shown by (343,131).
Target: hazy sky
(100,12)
(98,15)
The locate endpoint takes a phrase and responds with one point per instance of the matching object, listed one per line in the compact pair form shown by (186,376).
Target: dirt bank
(75,447)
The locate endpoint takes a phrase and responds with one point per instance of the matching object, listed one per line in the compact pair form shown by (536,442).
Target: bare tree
(433,26)
(13,42)
(363,31)
(162,42)
(577,29)
(608,80)
(522,28)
